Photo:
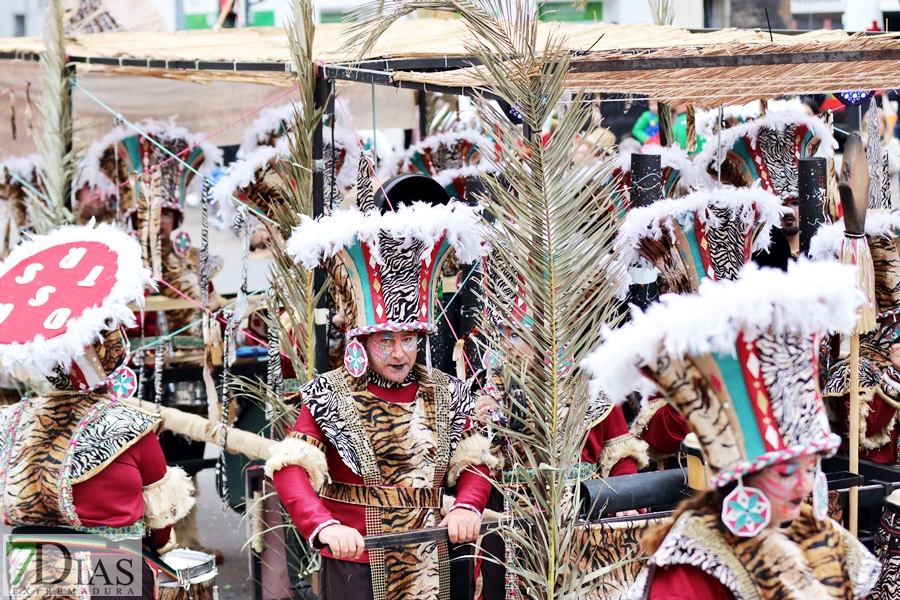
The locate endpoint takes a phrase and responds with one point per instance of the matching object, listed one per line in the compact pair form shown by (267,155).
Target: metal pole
(853,523)
(812,190)
(423,115)
(318,205)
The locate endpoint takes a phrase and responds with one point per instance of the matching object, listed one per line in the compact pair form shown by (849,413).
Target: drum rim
(199,573)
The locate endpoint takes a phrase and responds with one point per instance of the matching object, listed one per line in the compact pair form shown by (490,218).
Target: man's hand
(345,542)
(895,357)
(463,525)
(483,405)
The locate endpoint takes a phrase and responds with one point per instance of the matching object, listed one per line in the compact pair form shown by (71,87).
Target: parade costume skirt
(343,580)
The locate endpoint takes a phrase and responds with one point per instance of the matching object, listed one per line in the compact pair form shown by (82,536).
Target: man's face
(167,223)
(392,355)
(790,223)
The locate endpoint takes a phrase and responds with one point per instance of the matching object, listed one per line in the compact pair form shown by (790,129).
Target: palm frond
(554,234)
(55,139)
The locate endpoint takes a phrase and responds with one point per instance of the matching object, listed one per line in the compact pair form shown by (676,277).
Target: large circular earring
(746,511)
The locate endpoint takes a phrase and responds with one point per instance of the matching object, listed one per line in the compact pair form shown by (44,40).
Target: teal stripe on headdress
(734,381)
(359,262)
(743,151)
(694,246)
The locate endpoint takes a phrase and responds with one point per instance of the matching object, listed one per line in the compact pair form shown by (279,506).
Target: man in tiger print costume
(736,361)
(378,439)
(879,357)
(80,459)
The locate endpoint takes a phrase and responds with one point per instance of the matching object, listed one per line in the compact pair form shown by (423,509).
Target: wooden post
(853,523)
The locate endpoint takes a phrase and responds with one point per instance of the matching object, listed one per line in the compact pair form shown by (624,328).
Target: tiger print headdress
(883,237)
(387,267)
(767,150)
(737,361)
(121,153)
(63,297)
(706,234)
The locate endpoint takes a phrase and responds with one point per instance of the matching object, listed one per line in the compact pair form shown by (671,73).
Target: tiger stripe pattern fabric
(805,561)
(601,545)
(887,549)
(52,445)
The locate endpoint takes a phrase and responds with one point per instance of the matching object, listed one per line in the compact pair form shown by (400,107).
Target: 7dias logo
(70,565)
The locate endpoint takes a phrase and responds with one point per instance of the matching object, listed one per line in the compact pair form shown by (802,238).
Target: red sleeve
(626,466)
(684,582)
(306,509)
(474,487)
(666,431)
(151,460)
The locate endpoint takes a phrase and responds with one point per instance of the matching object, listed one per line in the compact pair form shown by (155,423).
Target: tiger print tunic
(397,449)
(809,560)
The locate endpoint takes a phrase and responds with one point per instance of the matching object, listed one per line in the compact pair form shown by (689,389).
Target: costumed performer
(79,459)
(377,439)
(705,235)
(737,360)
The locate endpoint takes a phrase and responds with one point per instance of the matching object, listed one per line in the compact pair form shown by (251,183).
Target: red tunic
(684,582)
(309,511)
(611,427)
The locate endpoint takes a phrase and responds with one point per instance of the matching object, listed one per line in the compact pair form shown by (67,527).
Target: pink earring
(355,359)
(746,511)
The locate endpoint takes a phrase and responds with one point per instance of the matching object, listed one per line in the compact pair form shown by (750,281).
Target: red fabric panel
(611,427)
(684,582)
(666,431)
(626,466)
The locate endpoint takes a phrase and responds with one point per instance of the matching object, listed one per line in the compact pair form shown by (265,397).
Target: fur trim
(648,411)
(753,206)
(91,175)
(675,158)
(777,121)
(811,298)
(314,240)
(473,451)
(168,500)
(880,438)
(618,448)
(447,176)
(43,355)
(826,244)
(294,451)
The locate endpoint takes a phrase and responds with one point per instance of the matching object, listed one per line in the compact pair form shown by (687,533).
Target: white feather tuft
(811,298)
(43,355)
(399,162)
(23,167)
(314,240)
(242,173)
(268,122)
(90,173)
(706,119)
(826,244)
(753,206)
(775,120)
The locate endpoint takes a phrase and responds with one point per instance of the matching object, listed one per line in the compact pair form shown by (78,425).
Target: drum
(197,572)
(887,549)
